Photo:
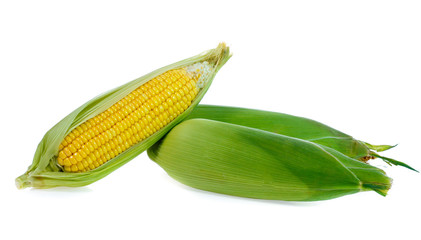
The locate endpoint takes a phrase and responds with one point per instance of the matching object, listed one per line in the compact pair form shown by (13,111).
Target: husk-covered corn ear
(297,127)
(247,162)
(114,127)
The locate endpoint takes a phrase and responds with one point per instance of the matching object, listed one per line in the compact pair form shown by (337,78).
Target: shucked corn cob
(113,128)
(248,162)
(135,117)
(297,127)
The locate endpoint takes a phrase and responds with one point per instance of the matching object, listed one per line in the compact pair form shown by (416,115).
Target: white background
(354,65)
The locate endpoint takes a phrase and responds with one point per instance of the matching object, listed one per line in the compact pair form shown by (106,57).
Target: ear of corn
(297,127)
(114,127)
(247,162)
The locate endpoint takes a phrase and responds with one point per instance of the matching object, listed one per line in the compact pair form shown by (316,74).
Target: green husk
(297,127)
(44,172)
(248,162)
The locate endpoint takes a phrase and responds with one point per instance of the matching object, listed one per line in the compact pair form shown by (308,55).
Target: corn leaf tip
(392,161)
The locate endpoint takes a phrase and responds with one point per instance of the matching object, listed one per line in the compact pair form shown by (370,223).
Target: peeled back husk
(298,127)
(44,172)
(247,162)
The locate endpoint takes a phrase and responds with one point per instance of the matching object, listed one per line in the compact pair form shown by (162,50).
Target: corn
(247,162)
(297,127)
(111,129)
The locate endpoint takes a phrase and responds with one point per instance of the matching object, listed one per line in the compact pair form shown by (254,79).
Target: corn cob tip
(218,56)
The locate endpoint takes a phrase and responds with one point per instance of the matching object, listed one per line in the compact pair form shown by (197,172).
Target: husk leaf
(248,162)
(294,126)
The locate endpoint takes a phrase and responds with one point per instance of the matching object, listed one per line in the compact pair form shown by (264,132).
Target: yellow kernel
(119,117)
(64,142)
(74,168)
(72,148)
(85,148)
(149,130)
(138,126)
(90,146)
(80,166)
(113,119)
(135,103)
(79,129)
(76,143)
(82,153)
(170,110)
(169,102)
(112,144)
(138,136)
(78,157)
(152,114)
(148,105)
(189,97)
(149,118)
(72,135)
(83,138)
(155,101)
(92,156)
(145,110)
(177,106)
(124,124)
(62,155)
(184,99)
(113,132)
(130,120)
(109,135)
(119,127)
(119,149)
(163,84)
(68,139)
(155,89)
(119,139)
(97,155)
(178,95)
(189,86)
(84,127)
(67,152)
(67,162)
(85,163)
(102,138)
(123,136)
(96,131)
(96,164)
(72,160)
